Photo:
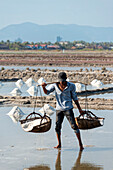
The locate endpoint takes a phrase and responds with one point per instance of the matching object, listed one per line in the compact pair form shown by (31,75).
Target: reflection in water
(77,166)
(58,161)
(38,167)
(84,166)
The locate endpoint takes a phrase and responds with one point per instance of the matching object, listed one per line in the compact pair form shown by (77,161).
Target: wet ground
(21,150)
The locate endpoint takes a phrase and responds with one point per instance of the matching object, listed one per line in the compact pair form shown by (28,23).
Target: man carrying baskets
(65,92)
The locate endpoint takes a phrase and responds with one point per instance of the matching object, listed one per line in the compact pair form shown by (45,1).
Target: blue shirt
(64,98)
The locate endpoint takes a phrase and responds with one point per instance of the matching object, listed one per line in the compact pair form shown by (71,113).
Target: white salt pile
(96,83)
(67,79)
(16,114)
(41,80)
(19,83)
(16,92)
(49,110)
(79,86)
(32,91)
(30,82)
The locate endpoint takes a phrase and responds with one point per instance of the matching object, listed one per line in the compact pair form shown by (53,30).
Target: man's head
(62,76)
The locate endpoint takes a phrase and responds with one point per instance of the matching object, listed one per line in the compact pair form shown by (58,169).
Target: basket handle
(34,114)
(92,113)
(44,117)
(88,113)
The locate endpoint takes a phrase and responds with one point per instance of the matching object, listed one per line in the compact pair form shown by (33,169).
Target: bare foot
(57,147)
(81,148)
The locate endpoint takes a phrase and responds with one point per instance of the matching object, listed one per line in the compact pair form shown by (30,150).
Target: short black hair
(62,76)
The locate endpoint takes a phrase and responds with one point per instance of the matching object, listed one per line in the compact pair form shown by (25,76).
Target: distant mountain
(36,33)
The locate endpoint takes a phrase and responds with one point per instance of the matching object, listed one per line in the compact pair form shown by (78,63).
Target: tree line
(75,45)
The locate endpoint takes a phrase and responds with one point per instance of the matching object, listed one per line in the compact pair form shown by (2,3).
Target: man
(65,92)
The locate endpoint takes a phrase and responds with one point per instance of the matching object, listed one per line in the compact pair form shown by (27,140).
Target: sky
(97,13)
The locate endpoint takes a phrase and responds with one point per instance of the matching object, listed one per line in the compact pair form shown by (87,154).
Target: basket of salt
(36,123)
(89,121)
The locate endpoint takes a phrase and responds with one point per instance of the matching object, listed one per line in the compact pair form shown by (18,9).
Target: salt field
(53,67)
(8,87)
(28,151)
(20,150)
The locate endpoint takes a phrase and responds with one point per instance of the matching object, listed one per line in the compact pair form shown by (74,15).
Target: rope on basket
(35,103)
(38,127)
(86,99)
(89,120)
(42,100)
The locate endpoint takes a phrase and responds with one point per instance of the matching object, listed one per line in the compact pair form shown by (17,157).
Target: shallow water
(53,67)
(105,96)
(21,150)
(7,87)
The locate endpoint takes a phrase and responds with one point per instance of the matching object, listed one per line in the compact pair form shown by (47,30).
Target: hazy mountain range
(36,33)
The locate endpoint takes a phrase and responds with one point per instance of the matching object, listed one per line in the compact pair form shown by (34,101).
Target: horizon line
(55,24)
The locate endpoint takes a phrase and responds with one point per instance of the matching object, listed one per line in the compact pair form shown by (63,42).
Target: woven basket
(89,121)
(43,127)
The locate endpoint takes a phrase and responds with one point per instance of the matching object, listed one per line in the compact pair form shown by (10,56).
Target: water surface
(54,67)
(7,88)
(21,150)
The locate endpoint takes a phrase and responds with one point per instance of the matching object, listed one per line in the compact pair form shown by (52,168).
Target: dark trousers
(60,117)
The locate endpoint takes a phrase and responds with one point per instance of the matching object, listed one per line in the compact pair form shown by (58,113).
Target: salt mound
(16,92)
(16,114)
(30,82)
(49,110)
(67,79)
(32,90)
(96,83)
(19,83)
(79,86)
(41,80)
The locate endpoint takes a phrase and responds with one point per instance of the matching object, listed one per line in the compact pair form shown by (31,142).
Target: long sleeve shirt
(64,98)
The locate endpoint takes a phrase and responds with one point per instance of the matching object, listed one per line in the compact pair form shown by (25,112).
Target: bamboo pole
(58,82)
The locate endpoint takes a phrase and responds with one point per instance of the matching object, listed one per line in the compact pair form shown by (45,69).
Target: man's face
(63,83)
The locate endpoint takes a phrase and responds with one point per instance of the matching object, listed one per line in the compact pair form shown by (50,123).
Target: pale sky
(97,13)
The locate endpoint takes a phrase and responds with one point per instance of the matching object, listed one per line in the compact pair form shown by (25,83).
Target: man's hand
(44,84)
(82,112)
(79,108)
(44,89)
